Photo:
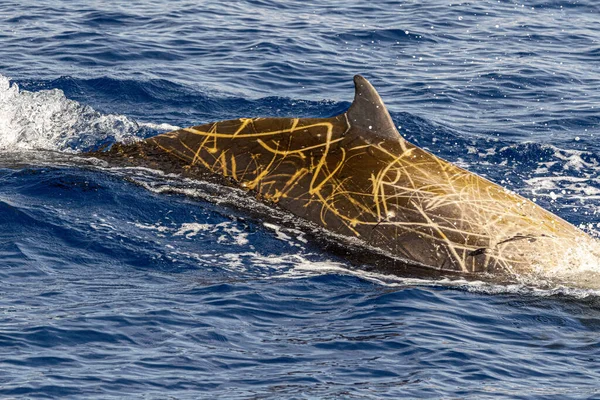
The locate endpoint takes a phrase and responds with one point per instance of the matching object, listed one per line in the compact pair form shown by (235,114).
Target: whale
(353,175)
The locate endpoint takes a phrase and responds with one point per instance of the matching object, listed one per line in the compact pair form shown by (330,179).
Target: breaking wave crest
(48,120)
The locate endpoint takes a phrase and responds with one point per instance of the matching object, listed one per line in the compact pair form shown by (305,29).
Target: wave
(392,36)
(48,120)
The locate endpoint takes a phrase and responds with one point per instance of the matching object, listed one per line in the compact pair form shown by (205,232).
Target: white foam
(281,235)
(301,266)
(154,227)
(228,232)
(235,235)
(159,127)
(304,268)
(572,159)
(192,229)
(48,120)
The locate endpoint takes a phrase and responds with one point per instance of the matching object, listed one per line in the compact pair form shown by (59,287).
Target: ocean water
(121,283)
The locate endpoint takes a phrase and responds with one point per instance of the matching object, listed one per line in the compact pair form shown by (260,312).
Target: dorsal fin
(368,115)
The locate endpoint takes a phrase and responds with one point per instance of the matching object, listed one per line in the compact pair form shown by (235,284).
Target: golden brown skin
(354,175)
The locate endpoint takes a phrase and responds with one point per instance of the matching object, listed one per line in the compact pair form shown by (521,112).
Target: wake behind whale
(354,176)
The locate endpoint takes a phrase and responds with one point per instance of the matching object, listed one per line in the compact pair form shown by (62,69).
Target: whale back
(354,175)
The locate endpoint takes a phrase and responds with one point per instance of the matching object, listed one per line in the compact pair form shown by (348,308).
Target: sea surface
(128,283)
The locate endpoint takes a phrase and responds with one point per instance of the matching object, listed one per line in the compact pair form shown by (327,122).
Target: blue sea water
(119,283)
